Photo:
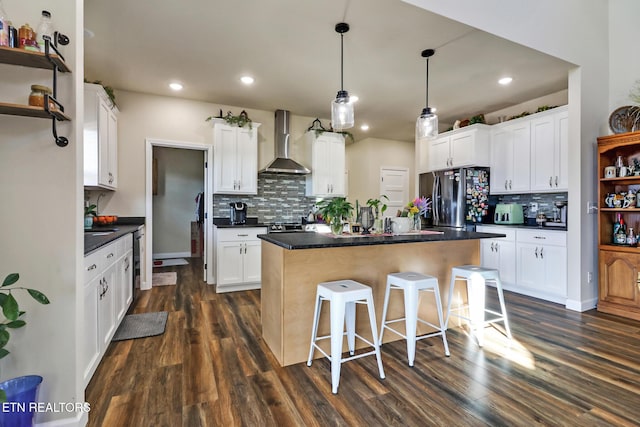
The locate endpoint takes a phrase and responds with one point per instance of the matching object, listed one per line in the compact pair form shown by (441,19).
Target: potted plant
(21,389)
(89,213)
(378,209)
(334,211)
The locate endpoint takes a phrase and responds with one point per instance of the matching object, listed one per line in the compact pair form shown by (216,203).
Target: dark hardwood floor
(211,368)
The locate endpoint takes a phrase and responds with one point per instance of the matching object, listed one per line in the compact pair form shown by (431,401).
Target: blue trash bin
(20,391)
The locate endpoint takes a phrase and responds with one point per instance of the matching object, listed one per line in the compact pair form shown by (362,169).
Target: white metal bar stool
(411,284)
(343,295)
(476,278)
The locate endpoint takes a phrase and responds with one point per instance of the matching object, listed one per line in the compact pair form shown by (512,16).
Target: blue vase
(20,392)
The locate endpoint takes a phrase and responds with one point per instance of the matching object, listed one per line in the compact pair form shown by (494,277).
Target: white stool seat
(476,278)
(411,284)
(343,295)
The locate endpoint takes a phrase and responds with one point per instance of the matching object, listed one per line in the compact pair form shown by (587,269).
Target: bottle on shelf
(621,236)
(616,228)
(631,237)
(4,26)
(44,28)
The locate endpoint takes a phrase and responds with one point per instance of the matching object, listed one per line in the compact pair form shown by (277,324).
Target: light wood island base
(290,277)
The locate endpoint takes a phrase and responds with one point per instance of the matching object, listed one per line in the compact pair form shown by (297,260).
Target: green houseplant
(12,313)
(378,206)
(334,211)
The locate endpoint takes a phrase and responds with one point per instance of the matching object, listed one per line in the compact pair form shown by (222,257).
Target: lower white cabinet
(108,292)
(500,253)
(238,258)
(531,261)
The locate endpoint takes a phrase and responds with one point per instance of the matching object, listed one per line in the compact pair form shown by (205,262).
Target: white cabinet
(542,264)
(510,157)
(235,159)
(328,165)
(238,258)
(100,139)
(500,253)
(107,296)
(464,147)
(549,151)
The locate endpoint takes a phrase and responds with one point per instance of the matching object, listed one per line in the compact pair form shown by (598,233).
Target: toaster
(508,213)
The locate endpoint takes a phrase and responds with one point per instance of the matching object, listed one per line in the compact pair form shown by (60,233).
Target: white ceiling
(293,51)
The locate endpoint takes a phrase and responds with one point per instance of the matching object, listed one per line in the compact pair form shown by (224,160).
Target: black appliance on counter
(238,213)
(286,227)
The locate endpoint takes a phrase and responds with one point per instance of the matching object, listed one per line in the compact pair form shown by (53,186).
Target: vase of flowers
(418,208)
(334,211)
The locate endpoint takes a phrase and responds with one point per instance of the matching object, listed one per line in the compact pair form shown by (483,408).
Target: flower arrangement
(420,206)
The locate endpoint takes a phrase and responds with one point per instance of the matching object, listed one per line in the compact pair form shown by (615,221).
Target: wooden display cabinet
(619,280)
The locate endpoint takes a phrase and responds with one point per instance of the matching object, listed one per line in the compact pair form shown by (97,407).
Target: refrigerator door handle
(435,202)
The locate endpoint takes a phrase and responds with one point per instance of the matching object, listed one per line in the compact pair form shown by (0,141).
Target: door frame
(148,191)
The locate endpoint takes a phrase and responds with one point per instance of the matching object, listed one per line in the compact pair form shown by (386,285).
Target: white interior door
(394,183)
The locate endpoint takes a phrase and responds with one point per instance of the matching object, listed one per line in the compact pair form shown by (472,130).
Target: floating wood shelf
(30,111)
(13,56)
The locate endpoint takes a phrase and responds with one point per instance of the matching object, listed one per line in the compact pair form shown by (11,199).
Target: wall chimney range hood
(282,163)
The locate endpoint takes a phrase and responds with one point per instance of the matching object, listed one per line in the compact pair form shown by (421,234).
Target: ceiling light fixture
(353,98)
(427,123)
(505,81)
(247,80)
(175,86)
(341,108)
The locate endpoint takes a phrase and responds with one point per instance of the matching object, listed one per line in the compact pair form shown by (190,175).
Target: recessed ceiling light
(505,80)
(353,98)
(175,86)
(247,80)
(364,127)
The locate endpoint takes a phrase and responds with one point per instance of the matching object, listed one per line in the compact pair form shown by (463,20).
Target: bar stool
(343,295)
(411,284)
(476,278)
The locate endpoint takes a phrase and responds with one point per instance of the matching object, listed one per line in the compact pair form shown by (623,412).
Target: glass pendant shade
(342,112)
(427,124)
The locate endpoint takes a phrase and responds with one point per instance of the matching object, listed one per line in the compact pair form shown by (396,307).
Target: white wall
(169,118)
(576,31)
(41,215)
(180,179)
(367,156)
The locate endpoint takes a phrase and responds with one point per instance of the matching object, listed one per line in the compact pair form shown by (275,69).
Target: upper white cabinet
(464,147)
(100,139)
(235,159)
(510,157)
(549,151)
(328,164)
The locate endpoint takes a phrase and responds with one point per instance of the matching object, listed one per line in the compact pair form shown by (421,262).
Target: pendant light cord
(341,61)
(427,85)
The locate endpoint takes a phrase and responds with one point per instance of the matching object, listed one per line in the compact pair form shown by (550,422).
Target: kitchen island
(294,263)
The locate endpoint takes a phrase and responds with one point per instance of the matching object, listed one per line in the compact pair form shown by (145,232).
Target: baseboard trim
(582,305)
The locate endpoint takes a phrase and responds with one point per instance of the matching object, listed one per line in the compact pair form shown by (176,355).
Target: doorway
(394,183)
(207,151)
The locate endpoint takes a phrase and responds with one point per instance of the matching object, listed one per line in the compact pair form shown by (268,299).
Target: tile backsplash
(545,200)
(280,198)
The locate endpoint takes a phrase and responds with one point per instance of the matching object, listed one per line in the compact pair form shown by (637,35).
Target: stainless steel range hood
(282,163)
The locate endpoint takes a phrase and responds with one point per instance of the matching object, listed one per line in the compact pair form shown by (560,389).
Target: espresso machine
(559,218)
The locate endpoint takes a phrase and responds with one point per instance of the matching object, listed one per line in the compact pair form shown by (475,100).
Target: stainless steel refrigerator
(460,196)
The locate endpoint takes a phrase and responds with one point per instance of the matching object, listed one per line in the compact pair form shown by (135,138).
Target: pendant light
(427,123)
(341,108)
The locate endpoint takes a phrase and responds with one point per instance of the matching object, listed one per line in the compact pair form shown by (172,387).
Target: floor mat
(141,325)
(169,261)
(164,279)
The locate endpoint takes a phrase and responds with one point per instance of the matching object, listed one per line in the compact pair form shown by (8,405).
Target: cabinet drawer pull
(92,267)
(110,255)
(536,252)
(243,235)
(509,184)
(505,185)
(541,254)
(556,180)
(550,181)
(539,237)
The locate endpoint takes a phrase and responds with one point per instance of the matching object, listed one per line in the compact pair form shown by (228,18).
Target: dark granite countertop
(525,226)
(311,240)
(225,223)
(100,236)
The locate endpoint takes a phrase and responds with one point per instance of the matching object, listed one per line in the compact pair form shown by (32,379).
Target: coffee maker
(238,213)
(559,215)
